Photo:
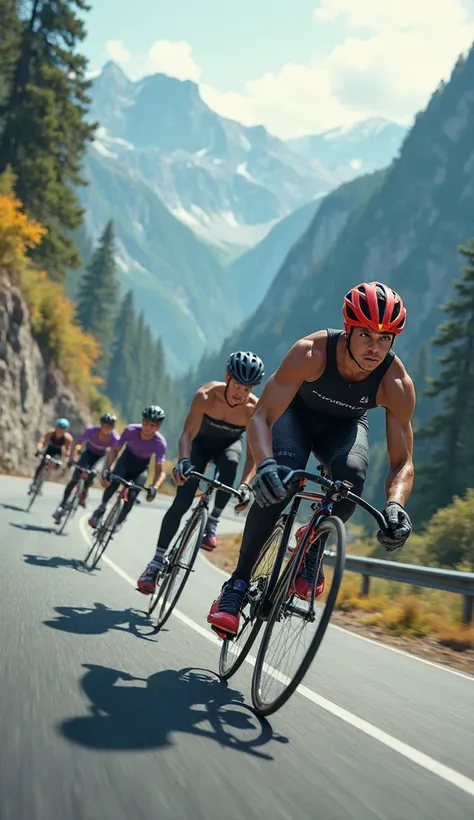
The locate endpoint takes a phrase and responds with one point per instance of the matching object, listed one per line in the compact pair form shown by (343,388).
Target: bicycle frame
(322,506)
(42,476)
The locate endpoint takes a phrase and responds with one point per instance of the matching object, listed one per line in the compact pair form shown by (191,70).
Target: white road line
(451,776)
(380,644)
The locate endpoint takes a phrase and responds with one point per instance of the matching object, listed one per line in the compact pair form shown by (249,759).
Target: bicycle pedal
(224,636)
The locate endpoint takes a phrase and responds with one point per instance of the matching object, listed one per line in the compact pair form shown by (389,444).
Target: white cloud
(404,15)
(117,52)
(387,64)
(172,58)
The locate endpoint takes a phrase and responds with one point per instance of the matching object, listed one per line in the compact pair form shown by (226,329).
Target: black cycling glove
(267,486)
(183,468)
(398,529)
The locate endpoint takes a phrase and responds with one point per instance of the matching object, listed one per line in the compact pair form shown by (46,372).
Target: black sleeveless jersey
(332,396)
(57,443)
(219,431)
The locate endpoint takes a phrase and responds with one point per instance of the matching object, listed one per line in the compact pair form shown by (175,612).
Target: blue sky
(311,65)
(231,41)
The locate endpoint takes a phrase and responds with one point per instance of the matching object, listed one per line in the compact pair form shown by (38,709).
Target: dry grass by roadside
(423,621)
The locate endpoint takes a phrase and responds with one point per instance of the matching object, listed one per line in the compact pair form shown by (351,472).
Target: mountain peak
(112,70)
(165,87)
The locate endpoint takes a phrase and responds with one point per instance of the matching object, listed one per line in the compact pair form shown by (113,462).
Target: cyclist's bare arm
(67,447)
(303,362)
(111,457)
(44,440)
(249,466)
(398,398)
(160,474)
(192,422)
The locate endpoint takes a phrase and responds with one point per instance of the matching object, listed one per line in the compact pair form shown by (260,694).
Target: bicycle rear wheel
(102,538)
(164,572)
(72,505)
(275,679)
(38,485)
(181,565)
(234,650)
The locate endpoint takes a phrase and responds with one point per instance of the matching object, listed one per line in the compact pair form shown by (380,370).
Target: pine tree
(10,36)
(158,370)
(85,247)
(45,133)
(144,381)
(122,371)
(450,433)
(420,373)
(97,300)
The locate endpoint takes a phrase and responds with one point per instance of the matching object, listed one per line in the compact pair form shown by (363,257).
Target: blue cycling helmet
(62,423)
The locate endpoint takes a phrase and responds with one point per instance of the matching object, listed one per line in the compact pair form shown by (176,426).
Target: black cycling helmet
(245,367)
(153,413)
(108,418)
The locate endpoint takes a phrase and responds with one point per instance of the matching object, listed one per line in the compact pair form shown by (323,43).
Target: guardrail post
(365,586)
(467,607)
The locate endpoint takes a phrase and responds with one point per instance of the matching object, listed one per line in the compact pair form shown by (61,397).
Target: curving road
(99,719)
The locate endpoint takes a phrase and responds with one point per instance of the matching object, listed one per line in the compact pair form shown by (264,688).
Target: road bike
(105,532)
(179,559)
(271,598)
(48,462)
(71,505)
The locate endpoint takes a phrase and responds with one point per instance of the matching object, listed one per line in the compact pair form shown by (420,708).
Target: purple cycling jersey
(142,448)
(94,443)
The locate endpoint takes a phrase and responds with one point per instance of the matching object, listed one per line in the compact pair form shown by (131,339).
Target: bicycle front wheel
(182,562)
(234,650)
(295,627)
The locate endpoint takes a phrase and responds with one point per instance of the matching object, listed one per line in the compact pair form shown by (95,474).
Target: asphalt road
(100,719)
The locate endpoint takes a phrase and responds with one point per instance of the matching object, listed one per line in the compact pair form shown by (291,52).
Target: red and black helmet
(374,306)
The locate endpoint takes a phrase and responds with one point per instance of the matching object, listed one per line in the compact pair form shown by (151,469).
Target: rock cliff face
(32,390)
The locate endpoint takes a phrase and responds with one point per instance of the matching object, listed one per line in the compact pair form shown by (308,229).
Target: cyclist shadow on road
(32,527)
(54,562)
(12,507)
(98,620)
(145,715)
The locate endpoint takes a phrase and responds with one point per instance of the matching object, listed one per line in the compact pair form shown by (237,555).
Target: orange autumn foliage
(18,233)
(52,313)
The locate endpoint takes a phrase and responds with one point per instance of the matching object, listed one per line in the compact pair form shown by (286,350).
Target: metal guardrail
(461,583)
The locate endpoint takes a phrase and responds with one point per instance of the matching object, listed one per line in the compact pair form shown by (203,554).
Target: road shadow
(145,715)
(98,620)
(32,527)
(54,562)
(13,507)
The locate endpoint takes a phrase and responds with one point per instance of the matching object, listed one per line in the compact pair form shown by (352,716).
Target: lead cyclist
(317,401)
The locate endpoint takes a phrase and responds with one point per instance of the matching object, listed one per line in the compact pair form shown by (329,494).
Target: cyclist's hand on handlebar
(105,478)
(151,493)
(398,529)
(267,486)
(181,472)
(247,497)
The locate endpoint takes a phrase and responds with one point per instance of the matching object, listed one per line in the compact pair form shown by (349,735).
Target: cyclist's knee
(352,468)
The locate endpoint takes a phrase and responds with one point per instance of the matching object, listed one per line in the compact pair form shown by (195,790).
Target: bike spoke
(181,563)
(235,650)
(294,631)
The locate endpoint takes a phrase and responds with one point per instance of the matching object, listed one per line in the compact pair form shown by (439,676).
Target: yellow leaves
(18,232)
(53,321)
(52,314)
